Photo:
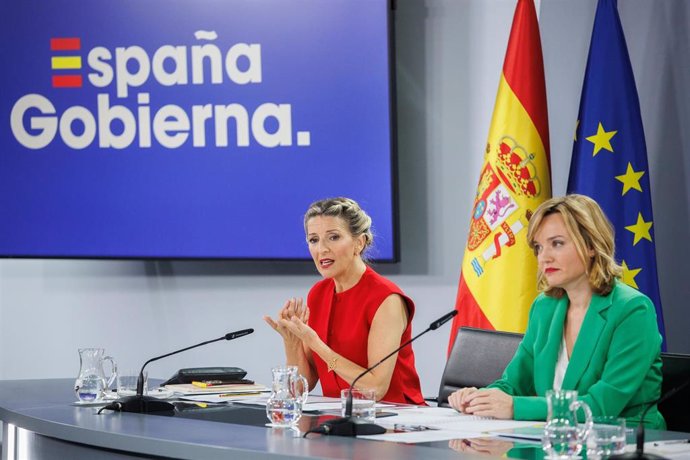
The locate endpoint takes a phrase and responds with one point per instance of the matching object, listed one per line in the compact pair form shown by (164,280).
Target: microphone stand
(640,433)
(349,427)
(143,404)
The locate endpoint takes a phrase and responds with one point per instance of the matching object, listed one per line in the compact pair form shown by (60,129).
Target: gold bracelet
(332,364)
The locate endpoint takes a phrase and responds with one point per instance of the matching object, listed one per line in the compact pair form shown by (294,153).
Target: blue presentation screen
(191,129)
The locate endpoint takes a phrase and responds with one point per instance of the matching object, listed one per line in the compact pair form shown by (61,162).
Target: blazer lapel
(545,359)
(587,339)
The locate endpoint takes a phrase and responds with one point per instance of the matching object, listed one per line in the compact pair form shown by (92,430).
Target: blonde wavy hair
(591,232)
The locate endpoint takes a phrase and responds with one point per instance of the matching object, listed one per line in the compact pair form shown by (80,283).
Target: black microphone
(639,435)
(441,321)
(346,426)
(146,404)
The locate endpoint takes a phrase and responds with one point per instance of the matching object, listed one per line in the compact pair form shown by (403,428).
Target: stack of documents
(218,393)
(197,389)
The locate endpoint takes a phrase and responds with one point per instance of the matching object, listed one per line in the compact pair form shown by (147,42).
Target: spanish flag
(499,272)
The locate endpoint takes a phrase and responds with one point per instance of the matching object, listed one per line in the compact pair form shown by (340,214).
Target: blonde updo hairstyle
(357,221)
(591,232)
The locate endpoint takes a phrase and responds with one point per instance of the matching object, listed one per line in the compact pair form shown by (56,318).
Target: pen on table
(208,383)
(671,441)
(398,427)
(228,395)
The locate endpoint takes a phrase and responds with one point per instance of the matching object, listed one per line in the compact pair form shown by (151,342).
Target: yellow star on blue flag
(601,140)
(640,229)
(610,119)
(629,274)
(631,179)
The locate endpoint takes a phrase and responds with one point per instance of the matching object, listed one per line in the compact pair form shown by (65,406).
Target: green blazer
(615,365)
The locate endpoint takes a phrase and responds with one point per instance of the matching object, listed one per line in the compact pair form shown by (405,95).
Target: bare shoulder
(393,308)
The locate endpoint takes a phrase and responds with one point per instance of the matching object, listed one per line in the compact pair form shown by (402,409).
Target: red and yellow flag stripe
(66,62)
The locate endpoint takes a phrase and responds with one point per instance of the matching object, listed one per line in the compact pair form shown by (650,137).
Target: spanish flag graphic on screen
(499,272)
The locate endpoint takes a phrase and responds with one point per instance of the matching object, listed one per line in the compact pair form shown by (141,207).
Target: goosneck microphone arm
(432,327)
(640,433)
(228,336)
(346,426)
(145,404)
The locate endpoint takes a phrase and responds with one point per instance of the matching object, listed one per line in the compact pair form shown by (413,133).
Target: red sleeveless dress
(343,320)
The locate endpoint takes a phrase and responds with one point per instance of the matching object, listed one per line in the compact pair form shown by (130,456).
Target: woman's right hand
(291,324)
(458,399)
(293,307)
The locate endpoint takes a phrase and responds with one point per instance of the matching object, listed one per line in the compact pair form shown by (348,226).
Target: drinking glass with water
(607,437)
(363,404)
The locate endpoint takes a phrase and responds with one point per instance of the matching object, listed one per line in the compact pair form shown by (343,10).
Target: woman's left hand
(490,403)
(300,329)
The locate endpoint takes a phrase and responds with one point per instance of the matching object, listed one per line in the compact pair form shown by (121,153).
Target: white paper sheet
(215,399)
(445,424)
(674,451)
(334,406)
(315,403)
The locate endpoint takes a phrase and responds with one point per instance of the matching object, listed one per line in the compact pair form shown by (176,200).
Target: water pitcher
(288,395)
(91,384)
(563,438)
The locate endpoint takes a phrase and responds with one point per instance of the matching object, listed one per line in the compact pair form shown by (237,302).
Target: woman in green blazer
(587,331)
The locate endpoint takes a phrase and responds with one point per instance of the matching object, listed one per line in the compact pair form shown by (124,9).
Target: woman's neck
(580,295)
(351,276)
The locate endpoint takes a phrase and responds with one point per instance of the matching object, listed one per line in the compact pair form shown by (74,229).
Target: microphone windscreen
(442,320)
(238,334)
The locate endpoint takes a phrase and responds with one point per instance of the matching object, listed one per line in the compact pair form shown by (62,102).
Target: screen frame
(394,193)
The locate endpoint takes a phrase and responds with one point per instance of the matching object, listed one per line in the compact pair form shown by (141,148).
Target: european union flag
(609,161)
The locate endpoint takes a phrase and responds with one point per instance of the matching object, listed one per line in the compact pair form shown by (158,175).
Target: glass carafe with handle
(91,384)
(563,437)
(288,396)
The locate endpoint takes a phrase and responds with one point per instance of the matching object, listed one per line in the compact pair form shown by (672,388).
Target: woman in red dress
(354,317)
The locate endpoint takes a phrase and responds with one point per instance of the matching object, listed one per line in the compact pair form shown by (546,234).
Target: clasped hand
(487,402)
(291,323)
